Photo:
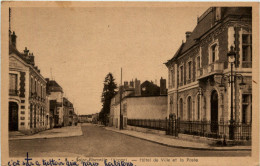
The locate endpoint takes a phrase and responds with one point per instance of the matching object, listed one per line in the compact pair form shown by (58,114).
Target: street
(99,142)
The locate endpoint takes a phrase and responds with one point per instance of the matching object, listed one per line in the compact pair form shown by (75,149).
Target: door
(214,111)
(13,116)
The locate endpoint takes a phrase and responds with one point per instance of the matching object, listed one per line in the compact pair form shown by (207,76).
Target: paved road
(98,142)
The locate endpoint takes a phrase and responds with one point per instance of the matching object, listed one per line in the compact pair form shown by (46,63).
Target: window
(181,74)
(189,108)
(246,108)
(213,53)
(246,50)
(181,109)
(31,84)
(189,70)
(172,79)
(35,86)
(198,62)
(13,84)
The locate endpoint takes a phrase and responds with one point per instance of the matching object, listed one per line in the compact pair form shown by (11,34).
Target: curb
(46,137)
(181,147)
(13,139)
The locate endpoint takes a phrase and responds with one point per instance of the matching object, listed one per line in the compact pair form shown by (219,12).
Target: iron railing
(242,131)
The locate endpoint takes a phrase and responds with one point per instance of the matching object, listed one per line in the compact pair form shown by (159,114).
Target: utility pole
(120,115)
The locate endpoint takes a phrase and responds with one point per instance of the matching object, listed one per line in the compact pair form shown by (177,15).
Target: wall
(147,107)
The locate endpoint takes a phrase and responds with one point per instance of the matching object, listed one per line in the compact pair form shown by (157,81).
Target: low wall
(146,130)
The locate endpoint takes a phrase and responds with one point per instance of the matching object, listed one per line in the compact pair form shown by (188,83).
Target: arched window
(181,109)
(189,109)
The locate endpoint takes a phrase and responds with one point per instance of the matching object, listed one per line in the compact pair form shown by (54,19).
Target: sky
(78,47)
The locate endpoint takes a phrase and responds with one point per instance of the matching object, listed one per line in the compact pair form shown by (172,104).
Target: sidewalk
(68,131)
(175,142)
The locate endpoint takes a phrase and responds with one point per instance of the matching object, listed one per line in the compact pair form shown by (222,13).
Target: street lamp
(232,79)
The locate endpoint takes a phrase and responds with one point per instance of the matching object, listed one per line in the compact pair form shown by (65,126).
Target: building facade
(27,91)
(68,112)
(139,101)
(197,70)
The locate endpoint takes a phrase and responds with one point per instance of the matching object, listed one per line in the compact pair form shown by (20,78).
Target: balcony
(13,92)
(211,69)
(199,72)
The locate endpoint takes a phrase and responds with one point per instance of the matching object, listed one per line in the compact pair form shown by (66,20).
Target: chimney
(31,59)
(163,86)
(26,51)
(137,87)
(125,84)
(13,39)
(188,33)
(132,84)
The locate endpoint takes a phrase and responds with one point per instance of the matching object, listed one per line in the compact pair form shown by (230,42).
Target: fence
(242,131)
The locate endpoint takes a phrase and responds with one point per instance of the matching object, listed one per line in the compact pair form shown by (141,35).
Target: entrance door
(13,116)
(214,111)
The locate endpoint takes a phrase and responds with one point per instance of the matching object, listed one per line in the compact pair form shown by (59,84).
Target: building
(86,118)
(68,112)
(27,92)
(55,92)
(196,72)
(139,101)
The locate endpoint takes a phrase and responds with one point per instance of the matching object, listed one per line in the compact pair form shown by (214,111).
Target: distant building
(55,92)
(139,101)
(86,118)
(68,112)
(27,91)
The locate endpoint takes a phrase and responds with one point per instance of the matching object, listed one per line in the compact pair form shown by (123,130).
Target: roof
(205,24)
(53,86)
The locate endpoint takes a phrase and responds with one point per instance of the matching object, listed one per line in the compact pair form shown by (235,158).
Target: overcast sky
(82,45)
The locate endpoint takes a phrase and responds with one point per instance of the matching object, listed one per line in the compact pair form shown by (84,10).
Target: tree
(109,91)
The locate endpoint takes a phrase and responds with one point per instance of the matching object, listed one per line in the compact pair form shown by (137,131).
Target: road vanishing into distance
(99,142)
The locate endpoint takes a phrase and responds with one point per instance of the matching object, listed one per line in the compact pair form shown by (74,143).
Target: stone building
(196,71)
(139,101)
(27,91)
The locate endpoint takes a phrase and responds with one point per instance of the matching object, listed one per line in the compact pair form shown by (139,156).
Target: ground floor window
(246,108)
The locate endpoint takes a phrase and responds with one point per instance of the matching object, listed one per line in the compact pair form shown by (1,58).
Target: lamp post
(232,79)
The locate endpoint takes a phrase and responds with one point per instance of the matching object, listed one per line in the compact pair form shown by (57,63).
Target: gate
(172,125)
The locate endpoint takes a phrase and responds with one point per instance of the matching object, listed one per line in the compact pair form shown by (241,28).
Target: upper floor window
(181,74)
(172,77)
(32,84)
(189,70)
(213,52)
(13,84)
(246,50)
(35,86)
(198,62)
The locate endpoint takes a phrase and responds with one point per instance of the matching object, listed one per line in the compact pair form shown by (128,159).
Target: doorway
(13,116)
(214,111)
